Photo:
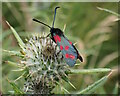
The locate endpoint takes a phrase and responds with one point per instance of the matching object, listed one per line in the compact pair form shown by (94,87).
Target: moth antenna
(58,52)
(54,17)
(41,22)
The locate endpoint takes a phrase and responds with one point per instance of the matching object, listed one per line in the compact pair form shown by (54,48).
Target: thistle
(44,68)
(45,64)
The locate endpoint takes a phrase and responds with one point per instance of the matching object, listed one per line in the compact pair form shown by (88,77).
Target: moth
(69,51)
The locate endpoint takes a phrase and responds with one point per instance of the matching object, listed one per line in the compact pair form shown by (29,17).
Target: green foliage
(94,31)
(91,88)
(89,71)
(16,89)
(112,12)
(17,36)
(16,53)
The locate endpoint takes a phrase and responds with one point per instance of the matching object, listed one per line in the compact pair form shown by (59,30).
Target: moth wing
(68,51)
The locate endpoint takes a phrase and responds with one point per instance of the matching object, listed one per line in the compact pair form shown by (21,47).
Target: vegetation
(92,26)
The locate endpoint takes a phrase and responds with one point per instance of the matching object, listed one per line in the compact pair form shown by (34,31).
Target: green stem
(89,71)
(112,12)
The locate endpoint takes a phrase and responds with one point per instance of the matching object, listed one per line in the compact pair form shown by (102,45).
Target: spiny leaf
(16,53)
(16,36)
(94,86)
(68,81)
(71,84)
(12,63)
(63,88)
(19,70)
(16,89)
(88,71)
(11,92)
(20,76)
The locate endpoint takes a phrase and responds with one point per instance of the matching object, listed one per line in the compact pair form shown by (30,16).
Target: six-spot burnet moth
(69,51)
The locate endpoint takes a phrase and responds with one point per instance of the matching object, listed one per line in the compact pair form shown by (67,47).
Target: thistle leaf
(12,63)
(16,53)
(64,89)
(94,86)
(16,36)
(20,76)
(89,71)
(11,92)
(16,89)
(19,70)
(68,81)
(71,84)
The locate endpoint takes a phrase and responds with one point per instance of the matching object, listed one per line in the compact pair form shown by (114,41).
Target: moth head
(56,31)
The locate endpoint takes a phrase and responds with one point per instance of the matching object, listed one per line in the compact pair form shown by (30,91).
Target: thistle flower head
(45,65)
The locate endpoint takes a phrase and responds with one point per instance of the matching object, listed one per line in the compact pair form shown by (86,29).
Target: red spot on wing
(61,47)
(66,47)
(70,42)
(57,38)
(71,56)
(66,55)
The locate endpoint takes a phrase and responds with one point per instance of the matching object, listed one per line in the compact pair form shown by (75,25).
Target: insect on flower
(69,51)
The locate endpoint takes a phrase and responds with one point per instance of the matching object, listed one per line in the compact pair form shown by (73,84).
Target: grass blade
(16,35)
(106,10)
(89,71)
(94,86)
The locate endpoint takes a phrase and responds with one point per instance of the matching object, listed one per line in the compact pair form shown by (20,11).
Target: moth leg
(48,35)
(58,52)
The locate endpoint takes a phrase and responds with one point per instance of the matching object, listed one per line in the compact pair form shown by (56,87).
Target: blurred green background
(95,32)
